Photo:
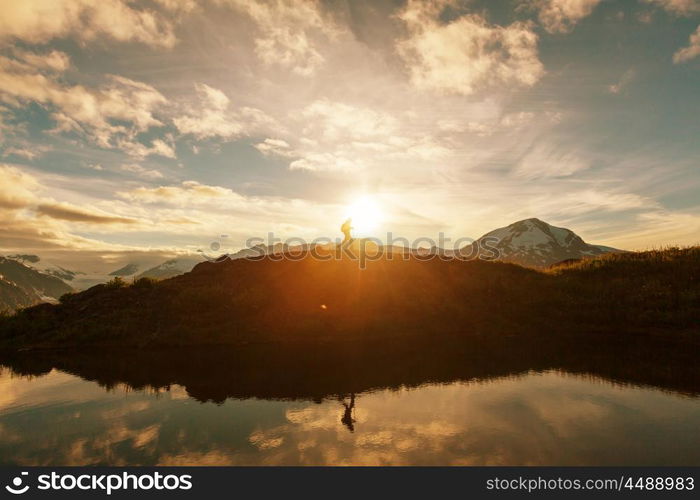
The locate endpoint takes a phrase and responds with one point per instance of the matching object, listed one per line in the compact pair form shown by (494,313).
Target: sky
(151,128)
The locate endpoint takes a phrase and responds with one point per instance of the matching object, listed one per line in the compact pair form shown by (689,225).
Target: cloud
(211,117)
(110,115)
(274,146)
(332,136)
(678,7)
(141,171)
(17,189)
(188,193)
(54,60)
(287,32)
(560,16)
(30,221)
(544,161)
(40,21)
(467,53)
(24,152)
(691,51)
(139,151)
(333,121)
(624,81)
(590,200)
(318,162)
(72,213)
(507,122)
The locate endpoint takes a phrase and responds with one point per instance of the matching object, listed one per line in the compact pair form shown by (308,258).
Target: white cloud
(467,53)
(507,122)
(319,162)
(593,200)
(141,171)
(97,113)
(26,152)
(544,161)
(624,81)
(678,7)
(188,193)
(139,151)
(277,147)
(333,121)
(54,60)
(333,136)
(560,16)
(288,32)
(212,117)
(39,21)
(691,51)
(17,189)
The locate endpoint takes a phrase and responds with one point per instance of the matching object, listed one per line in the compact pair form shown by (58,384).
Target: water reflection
(495,402)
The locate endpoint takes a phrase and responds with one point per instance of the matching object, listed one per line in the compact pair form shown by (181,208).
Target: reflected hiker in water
(346,229)
(347,419)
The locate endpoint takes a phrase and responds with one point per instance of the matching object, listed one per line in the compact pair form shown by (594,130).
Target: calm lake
(530,418)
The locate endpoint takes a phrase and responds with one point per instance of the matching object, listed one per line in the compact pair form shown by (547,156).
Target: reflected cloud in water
(507,409)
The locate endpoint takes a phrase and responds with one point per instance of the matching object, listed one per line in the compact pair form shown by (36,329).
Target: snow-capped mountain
(170,268)
(23,285)
(534,243)
(128,270)
(46,267)
(181,265)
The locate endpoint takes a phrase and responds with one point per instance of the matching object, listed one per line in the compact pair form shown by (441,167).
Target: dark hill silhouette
(302,298)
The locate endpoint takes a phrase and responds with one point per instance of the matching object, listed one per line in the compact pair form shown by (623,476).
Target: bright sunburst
(366,214)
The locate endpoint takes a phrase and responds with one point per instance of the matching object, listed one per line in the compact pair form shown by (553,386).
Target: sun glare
(366,216)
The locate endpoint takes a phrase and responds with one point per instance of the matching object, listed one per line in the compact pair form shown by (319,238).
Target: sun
(366,214)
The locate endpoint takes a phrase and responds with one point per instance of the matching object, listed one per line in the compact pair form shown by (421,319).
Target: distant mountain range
(127,270)
(170,268)
(45,267)
(21,285)
(531,243)
(307,299)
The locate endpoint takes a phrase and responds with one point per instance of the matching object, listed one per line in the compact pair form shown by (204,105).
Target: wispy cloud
(69,212)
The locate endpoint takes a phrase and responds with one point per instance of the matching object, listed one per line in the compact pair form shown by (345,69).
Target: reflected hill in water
(313,372)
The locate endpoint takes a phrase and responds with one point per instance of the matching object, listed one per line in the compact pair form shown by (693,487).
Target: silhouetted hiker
(347,419)
(345,229)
